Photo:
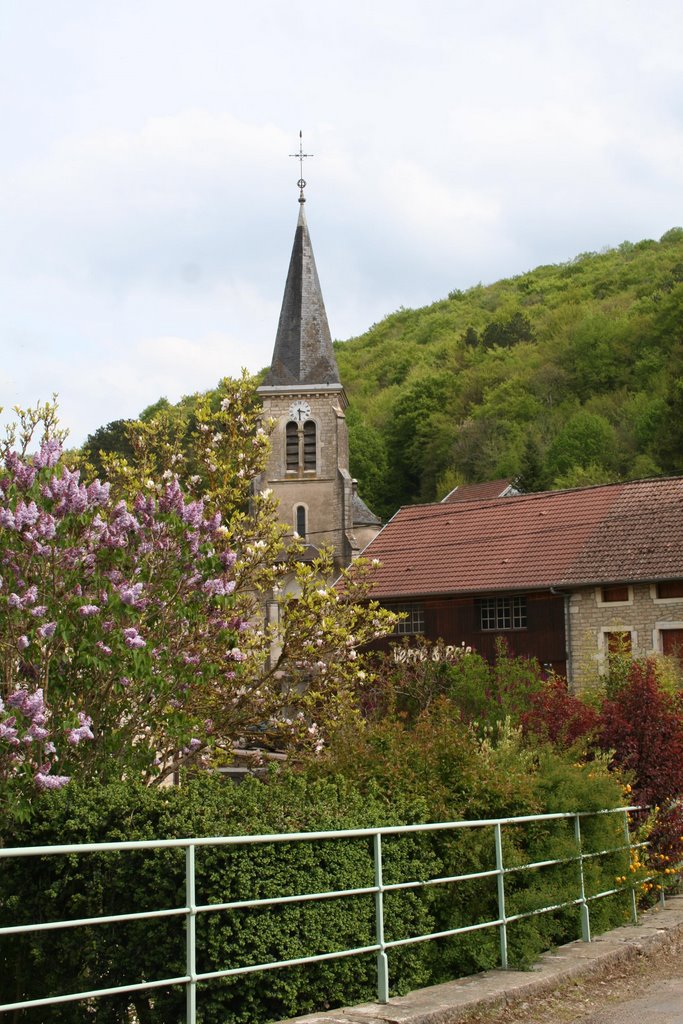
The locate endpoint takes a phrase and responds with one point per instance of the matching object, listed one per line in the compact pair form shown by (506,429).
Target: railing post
(627,836)
(190,936)
(501,899)
(585,913)
(382,959)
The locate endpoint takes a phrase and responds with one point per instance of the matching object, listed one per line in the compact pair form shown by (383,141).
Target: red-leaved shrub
(557,715)
(643,725)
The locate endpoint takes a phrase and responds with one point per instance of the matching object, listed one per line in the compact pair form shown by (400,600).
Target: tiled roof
(615,533)
(477,492)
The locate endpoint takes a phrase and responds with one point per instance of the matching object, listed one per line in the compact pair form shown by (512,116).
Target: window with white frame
(615,593)
(497,613)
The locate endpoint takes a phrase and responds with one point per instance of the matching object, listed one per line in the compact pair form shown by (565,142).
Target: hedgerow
(58,888)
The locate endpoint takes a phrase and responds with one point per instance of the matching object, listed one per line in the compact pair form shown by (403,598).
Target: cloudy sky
(148,201)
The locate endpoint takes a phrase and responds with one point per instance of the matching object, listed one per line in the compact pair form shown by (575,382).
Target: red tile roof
(615,533)
(476,492)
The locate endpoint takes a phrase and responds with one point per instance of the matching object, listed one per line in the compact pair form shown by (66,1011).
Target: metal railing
(191,910)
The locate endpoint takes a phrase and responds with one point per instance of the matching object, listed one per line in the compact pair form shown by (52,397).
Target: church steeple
(303,352)
(304,400)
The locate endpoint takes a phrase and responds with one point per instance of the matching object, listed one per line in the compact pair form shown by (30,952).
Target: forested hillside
(568,375)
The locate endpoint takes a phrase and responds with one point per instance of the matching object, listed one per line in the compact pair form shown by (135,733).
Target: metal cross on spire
(301,184)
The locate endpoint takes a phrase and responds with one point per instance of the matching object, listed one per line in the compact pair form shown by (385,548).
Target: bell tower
(308,467)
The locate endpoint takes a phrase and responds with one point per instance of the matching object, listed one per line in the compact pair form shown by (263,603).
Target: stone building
(308,467)
(568,577)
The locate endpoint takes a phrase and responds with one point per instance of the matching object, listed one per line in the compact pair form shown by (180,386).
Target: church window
(300,446)
(300,526)
(309,445)
(292,445)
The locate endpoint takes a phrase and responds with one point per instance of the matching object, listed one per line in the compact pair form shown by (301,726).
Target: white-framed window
(666,591)
(614,594)
(414,621)
(667,638)
(497,613)
(615,641)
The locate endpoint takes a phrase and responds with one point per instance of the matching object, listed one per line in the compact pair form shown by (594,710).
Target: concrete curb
(443,1004)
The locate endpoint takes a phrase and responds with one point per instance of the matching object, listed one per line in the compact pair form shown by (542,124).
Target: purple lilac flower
(74,736)
(133,639)
(172,498)
(69,495)
(36,732)
(39,610)
(98,493)
(45,782)
(193,514)
(7,519)
(47,630)
(194,743)
(228,559)
(130,594)
(46,526)
(48,456)
(124,681)
(23,642)
(87,610)
(8,732)
(25,515)
(14,601)
(219,587)
(103,647)
(122,518)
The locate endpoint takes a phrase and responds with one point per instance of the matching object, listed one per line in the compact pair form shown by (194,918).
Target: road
(647,991)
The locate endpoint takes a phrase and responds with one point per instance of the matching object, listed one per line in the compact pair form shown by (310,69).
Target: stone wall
(643,616)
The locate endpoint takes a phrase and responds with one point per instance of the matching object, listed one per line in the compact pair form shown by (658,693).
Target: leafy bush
(385,789)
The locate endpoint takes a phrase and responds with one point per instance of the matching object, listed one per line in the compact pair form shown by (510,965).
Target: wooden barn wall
(455,620)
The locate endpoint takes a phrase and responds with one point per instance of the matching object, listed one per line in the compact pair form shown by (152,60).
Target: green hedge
(53,888)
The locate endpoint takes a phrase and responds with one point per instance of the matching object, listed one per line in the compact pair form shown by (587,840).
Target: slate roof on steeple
(303,352)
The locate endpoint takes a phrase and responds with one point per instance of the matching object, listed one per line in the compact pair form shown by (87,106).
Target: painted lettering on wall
(436,652)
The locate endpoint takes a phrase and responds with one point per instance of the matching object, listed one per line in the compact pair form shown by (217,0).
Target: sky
(148,199)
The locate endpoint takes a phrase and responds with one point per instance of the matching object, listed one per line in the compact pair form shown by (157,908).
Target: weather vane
(301,184)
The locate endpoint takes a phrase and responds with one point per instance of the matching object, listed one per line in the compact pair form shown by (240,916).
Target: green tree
(586,440)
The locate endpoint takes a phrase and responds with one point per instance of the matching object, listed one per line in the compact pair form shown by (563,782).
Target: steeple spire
(303,352)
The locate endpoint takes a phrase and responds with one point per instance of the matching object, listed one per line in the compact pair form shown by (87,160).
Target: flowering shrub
(132,636)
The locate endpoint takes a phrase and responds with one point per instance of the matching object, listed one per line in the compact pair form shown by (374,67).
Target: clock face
(299,411)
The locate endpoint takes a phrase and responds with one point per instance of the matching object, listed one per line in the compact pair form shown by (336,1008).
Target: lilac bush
(132,638)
